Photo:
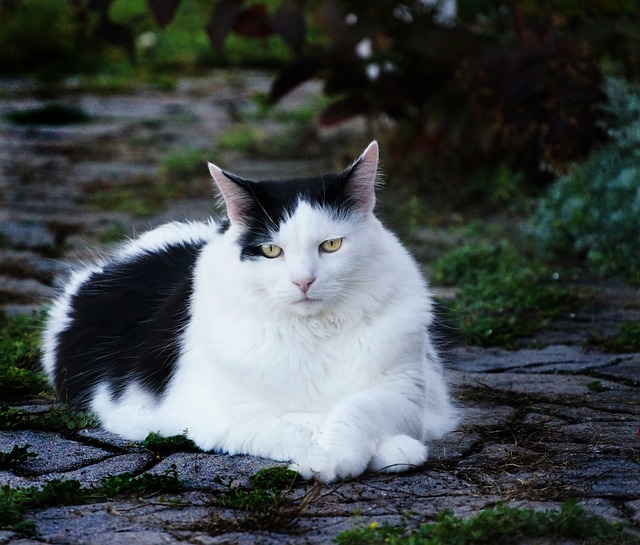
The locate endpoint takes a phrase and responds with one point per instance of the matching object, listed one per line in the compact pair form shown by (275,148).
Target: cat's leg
(257,431)
(357,431)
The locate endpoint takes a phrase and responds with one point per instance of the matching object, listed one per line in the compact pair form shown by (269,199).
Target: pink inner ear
(363,178)
(236,198)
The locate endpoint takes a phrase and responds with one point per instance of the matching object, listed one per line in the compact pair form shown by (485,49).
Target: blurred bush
(593,213)
(478,82)
(36,33)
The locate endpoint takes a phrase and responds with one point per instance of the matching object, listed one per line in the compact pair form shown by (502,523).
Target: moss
(16,457)
(501,524)
(167,445)
(269,493)
(60,419)
(20,374)
(625,339)
(268,505)
(504,294)
(14,502)
(147,483)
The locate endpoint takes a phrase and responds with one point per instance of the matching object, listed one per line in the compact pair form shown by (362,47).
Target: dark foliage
(497,81)
(514,82)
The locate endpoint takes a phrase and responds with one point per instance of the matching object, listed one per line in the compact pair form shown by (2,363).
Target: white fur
(347,382)
(335,382)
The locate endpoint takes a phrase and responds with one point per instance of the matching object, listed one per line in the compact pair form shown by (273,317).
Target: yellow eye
(271,250)
(331,245)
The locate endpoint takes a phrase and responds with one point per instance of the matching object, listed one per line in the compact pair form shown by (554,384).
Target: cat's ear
(236,197)
(361,179)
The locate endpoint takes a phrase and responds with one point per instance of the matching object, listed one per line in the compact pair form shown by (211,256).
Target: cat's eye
(270,250)
(331,245)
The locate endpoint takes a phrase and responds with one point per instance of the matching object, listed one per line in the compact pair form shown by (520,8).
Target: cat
(296,329)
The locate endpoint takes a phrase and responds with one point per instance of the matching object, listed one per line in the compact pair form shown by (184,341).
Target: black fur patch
(274,201)
(126,325)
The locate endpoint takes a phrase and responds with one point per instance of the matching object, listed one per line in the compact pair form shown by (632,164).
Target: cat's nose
(304,283)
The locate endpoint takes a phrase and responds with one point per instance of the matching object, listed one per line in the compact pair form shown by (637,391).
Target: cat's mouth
(306,301)
(306,304)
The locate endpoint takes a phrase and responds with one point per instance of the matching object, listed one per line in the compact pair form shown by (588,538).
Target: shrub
(592,213)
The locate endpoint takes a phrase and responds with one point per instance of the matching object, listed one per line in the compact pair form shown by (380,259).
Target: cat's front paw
(328,467)
(398,453)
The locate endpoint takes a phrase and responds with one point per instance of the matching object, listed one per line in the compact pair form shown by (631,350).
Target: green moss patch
(625,339)
(501,524)
(504,295)
(15,502)
(62,419)
(166,445)
(20,374)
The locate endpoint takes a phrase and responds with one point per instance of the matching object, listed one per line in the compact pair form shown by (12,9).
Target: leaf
(292,75)
(288,21)
(99,5)
(253,21)
(343,109)
(163,10)
(222,21)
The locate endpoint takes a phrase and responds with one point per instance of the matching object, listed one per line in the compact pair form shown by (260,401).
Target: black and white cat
(295,329)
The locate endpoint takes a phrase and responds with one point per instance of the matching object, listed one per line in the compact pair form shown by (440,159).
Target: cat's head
(307,241)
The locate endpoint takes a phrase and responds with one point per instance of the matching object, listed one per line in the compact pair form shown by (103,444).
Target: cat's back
(120,318)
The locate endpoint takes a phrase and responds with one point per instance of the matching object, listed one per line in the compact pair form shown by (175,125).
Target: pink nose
(304,284)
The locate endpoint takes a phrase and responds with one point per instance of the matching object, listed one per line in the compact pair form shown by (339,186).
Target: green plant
(16,457)
(14,502)
(166,445)
(269,493)
(501,524)
(43,36)
(141,198)
(147,483)
(592,213)
(625,339)
(502,295)
(61,419)
(184,164)
(20,374)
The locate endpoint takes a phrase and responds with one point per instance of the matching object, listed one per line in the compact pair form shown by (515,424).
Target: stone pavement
(540,425)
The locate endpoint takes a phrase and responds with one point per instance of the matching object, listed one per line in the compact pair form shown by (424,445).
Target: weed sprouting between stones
(502,524)
(269,492)
(15,502)
(158,444)
(268,505)
(60,419)
(503,294)
(147,483)
(16,457)
(625,339)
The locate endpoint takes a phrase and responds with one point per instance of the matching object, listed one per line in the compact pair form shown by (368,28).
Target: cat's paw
(329,467)
(398,453)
